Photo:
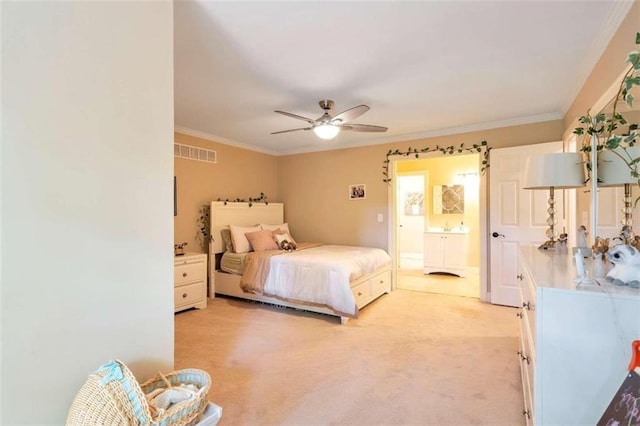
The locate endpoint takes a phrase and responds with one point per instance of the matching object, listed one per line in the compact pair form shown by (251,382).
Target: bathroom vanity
(445,251)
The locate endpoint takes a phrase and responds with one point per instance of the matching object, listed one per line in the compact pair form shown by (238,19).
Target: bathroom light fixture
(326,131)
(561,170)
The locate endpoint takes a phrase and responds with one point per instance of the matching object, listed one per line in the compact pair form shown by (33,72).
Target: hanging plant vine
(261,199)
(481,147)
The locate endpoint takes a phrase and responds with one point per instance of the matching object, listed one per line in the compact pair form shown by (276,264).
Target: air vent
(194,153)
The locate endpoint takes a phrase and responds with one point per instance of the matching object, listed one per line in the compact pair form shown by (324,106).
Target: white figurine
(598,270)
(582,237)
(626,270)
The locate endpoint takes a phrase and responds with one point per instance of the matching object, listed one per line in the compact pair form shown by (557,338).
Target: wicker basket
(112,396)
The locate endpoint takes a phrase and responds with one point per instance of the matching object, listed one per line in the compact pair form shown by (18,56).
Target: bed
(328,279)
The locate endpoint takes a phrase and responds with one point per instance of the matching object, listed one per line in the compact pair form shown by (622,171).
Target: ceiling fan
(327,127)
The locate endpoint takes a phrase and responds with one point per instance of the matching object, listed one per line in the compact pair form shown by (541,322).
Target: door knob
(496,235)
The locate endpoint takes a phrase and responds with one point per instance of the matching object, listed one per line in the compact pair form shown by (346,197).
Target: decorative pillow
(261,240)
(283,232)
(284,240)
(240,242)
(282,227)
(226,239)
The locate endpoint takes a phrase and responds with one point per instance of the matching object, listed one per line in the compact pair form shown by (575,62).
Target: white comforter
(322,274)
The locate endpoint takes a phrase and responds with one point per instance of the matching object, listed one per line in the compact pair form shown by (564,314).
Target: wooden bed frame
(365,289)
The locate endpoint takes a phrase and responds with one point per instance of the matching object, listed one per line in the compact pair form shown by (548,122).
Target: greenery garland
(261,199)
(482,147)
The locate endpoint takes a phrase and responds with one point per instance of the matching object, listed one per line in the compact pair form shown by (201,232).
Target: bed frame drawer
(370,286)
(381,283)
(362,293)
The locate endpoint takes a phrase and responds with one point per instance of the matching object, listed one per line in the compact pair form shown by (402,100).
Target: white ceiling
(425,68)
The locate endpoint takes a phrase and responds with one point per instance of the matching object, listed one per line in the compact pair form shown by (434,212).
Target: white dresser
(575,343)
(190,281)
(445,252)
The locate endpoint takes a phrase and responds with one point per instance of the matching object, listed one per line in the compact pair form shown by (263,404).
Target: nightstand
(190,281)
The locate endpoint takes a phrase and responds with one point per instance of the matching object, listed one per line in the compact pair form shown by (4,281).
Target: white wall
(87,170)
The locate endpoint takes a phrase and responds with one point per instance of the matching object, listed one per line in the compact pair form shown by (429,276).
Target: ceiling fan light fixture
(326,131)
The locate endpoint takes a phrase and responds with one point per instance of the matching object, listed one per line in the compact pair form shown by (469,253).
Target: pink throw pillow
(261,240)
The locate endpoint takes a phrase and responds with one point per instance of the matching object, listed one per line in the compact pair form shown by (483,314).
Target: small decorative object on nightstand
(190,281)
(178,249)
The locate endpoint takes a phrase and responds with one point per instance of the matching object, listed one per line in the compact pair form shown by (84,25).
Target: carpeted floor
(411,358)
(451,285)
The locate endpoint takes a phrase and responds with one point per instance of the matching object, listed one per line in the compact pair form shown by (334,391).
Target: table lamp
(560,170)
(613,171)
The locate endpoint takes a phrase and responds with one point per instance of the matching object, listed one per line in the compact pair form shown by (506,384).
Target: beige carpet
(451,285)
(411,358)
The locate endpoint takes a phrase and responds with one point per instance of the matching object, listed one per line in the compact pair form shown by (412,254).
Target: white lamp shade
(612,170)
(326,131)
(558,170)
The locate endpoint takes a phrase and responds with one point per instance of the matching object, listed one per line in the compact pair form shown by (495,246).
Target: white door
(410,212)
(517,216)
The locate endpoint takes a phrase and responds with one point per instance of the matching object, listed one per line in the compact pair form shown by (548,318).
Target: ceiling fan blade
(363,128)
(291,130)
(351,114)
(299,117)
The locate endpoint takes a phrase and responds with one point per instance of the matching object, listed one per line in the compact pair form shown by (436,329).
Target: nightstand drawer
(187,273)
(188,294)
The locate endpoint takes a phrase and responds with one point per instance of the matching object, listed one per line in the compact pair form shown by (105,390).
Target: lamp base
(547,245)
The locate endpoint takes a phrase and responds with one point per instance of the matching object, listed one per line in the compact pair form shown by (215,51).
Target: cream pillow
(240,242)
(282,228)
(283,237)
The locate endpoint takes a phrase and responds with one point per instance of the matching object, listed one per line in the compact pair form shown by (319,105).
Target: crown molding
(599,44)
(331,146)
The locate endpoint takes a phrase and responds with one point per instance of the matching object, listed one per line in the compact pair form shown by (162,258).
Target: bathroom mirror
(605,211)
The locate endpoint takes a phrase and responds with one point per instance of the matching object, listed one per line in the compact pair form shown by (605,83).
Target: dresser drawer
(528,304)
(188,273)
(189,294)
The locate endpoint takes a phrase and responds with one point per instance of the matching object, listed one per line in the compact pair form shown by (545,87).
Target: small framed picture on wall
(357,191)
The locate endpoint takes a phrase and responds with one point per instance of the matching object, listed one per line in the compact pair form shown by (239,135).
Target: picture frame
(357,191)
(448,199)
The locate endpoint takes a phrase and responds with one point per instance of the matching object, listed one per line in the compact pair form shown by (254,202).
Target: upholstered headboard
(224,214)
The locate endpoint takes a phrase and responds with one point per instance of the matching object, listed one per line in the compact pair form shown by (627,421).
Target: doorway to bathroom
(437,227)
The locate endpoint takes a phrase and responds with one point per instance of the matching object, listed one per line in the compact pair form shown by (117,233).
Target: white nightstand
(190,281)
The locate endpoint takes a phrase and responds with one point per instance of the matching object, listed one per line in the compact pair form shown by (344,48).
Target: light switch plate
(380,217)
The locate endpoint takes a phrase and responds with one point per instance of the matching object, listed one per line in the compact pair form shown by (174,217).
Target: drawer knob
(526,414)
(184,295)
(359,294)
(519,276)
(519,314)
(526,305)
(184,274)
